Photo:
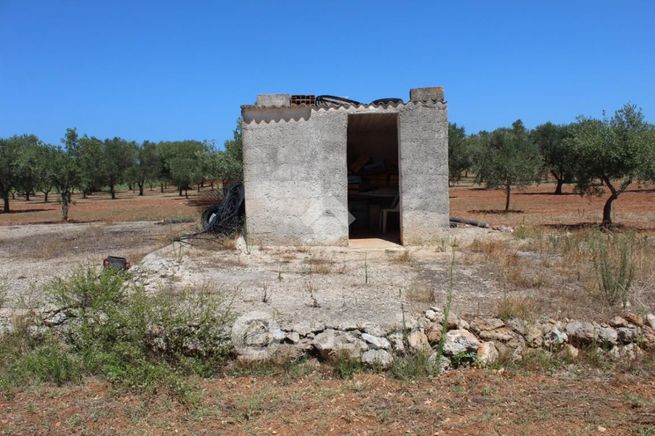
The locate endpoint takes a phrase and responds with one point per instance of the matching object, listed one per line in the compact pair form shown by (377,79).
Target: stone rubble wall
(256,336)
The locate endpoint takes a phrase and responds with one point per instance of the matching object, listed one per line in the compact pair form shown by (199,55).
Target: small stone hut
(321,170)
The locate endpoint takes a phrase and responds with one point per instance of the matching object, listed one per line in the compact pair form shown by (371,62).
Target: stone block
(273,100)
(426,94)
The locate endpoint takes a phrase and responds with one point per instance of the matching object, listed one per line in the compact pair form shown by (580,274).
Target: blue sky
(163,70)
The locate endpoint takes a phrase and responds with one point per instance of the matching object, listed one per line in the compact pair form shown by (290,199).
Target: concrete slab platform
(373,244)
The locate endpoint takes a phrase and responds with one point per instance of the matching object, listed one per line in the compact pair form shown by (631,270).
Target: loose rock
(433,333)
(306,327)
(431,315)
(397,342)
(570,351)
(460,341)
(463,324)
(379,358)
(650,319)
(518,325)
(534,335)
(502,334)
(376,341)
(648,339)
(628,352)
(487,353)
(554,338)
(372,329)
(294,337)
(440,363)
(627,334)
(633,318)
(581,333)
(617,321)
(278,335)
(331,343)
(486,324)
(417,341)
(251,335)
(607,336)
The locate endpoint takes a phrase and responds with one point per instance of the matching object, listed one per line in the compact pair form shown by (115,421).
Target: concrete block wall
(295,173)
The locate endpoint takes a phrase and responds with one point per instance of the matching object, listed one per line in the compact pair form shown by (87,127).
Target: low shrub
(509,307)
(614,266)
(106,326)
(415,365)
(346,366)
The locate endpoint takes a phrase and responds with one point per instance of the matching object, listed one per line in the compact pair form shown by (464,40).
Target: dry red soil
(128,206)
(459,402)
(537,205)
(533,206)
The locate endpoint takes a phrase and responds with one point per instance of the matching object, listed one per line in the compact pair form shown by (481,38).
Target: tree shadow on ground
(12,212)
(617,227)
(70,221)
(496,211)
(641,191)
(546,193)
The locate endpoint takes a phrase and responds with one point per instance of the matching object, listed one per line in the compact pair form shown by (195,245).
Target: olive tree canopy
(614,151)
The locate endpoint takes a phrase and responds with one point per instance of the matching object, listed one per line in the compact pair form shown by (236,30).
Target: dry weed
(488,248)
(421,295)
(515,274)
(214,243)
(318,265)
(515,307)
(405,257)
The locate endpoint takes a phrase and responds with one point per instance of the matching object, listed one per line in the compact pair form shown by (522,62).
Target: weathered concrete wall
(423,144)
(295,180)
(295,172)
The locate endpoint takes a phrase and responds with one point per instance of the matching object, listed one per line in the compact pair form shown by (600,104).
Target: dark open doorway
(373,182)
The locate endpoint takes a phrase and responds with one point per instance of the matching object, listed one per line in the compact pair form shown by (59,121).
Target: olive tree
(66,169)
(551,140)
(118,155)
(612,151)
(46,168)
(507,158)
(146,165)
(185,172)
(65,178)
(459,152)
(229,162)
(9,156)
(28,159)
(89,154)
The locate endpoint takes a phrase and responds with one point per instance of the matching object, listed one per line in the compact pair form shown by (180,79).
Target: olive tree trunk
(5,198)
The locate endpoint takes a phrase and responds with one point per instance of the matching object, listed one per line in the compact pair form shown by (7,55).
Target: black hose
(454,219)
(225,217)
(387,101)
(332,99)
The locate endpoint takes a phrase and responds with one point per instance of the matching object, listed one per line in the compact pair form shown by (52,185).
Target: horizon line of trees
(589,153)
(88,164)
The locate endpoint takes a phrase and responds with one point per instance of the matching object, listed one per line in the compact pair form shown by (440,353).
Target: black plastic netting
(226,216)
